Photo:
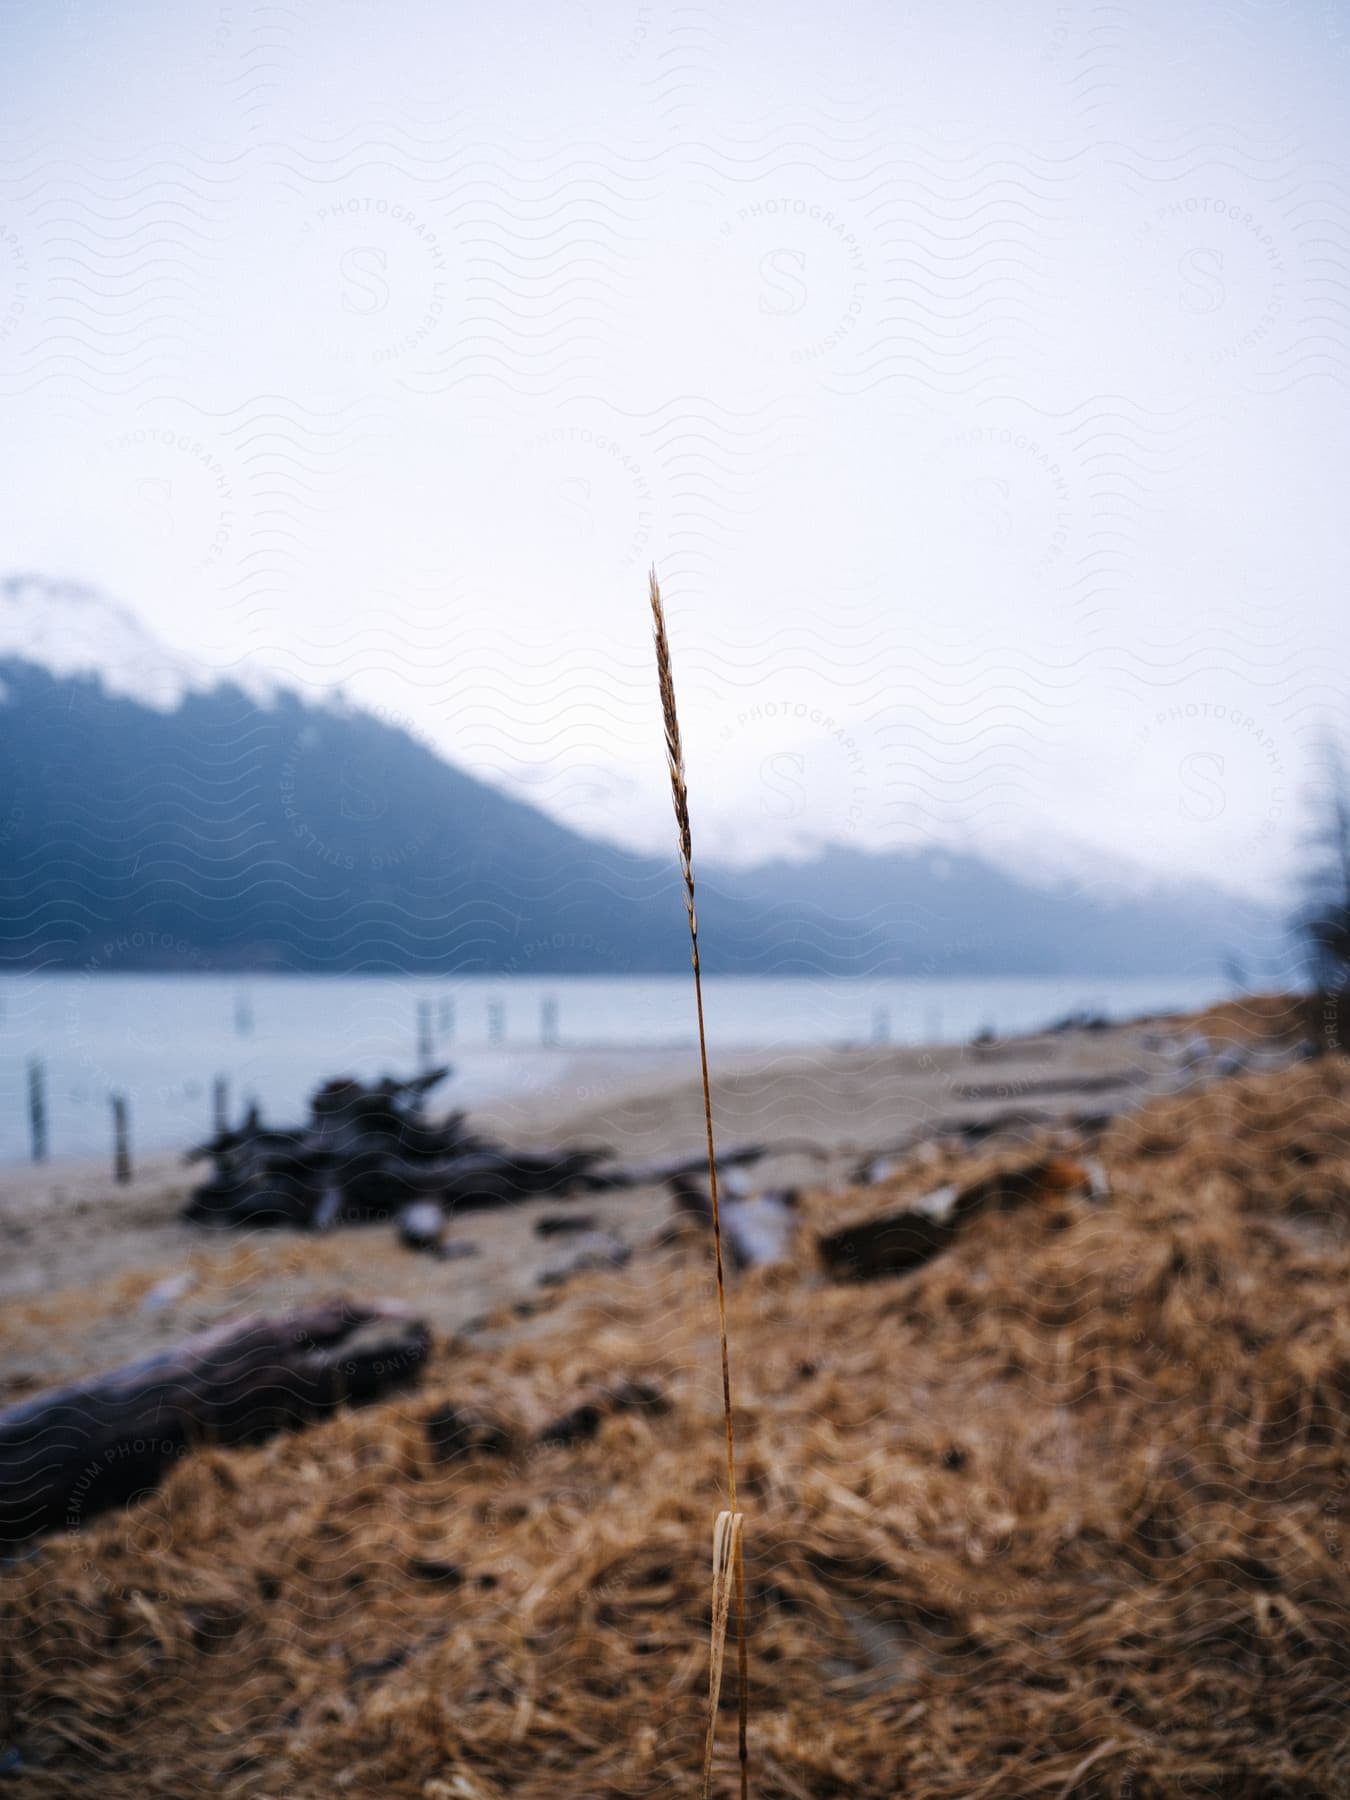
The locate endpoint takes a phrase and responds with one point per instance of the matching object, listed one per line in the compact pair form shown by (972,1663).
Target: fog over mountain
(155,816)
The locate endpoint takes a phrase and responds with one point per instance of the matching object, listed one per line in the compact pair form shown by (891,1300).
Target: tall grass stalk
(727,1536)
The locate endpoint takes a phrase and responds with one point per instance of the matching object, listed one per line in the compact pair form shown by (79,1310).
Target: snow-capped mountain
(69,628)
(206,822)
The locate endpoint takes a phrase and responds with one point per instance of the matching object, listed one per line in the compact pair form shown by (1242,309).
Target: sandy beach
(95,1273)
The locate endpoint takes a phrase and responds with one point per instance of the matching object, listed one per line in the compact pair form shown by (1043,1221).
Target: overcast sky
(976,377)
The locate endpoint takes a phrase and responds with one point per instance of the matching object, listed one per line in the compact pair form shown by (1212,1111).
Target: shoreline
(97,1274)
(166,1045)
(94,1274)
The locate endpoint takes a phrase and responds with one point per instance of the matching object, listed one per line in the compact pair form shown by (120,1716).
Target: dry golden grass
(1255,1021)
(1061,1515)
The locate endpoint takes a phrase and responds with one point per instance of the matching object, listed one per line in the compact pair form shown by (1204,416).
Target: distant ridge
(183,825)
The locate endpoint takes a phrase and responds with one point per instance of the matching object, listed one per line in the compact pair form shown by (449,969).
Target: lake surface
(162,1039)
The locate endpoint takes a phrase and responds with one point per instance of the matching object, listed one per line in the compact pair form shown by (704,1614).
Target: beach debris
(72,1452)
(669,1170)
(496,1177)
(169,1291)
(1197,1060)
(1098,1181)
(895,1242)
(455,1431)
(1021,1122)
(456,1250)
(693,1203)
(1108,1083)
(926,1141)
(591,1250)
(583,1422)
(888,1245)
(462,1431)
(756,1228)
(1084,1019)
(565,1224)
(873,1169)
(760,1228)
(421,1225)
(365,1154)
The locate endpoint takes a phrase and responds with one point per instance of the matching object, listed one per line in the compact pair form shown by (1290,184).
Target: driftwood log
(896,1242)
(68,1454)
(568,1224)
(371,1153)
(680,1168)
(364,1154)
(1054,1084)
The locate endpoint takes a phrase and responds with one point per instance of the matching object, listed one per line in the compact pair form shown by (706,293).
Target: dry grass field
(1060,1514)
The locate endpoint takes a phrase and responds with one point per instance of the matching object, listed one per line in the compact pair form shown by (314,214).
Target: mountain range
(153,818)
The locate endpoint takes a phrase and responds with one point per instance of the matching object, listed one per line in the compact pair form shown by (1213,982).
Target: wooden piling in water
(121,1139)
(37,1108)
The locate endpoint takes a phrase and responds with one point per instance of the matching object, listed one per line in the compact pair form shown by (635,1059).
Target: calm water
(161,1039)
